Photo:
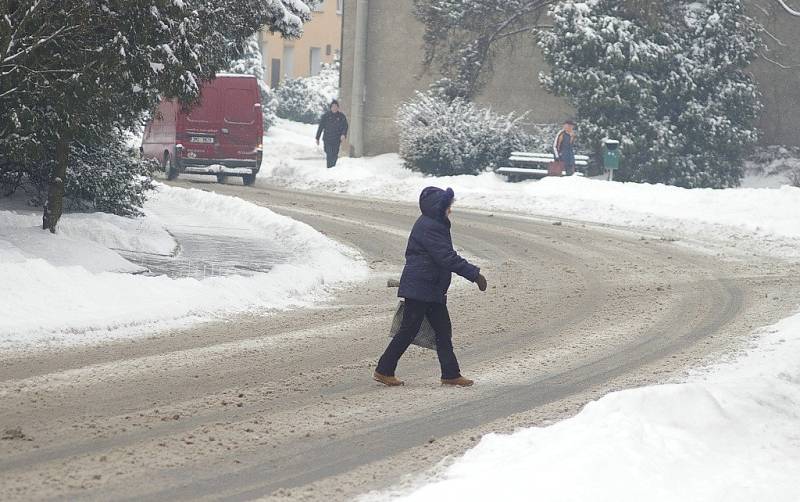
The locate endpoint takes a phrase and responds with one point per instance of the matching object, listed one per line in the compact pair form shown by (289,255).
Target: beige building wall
(394,54)
(394,71)
(294,58)
(780,87)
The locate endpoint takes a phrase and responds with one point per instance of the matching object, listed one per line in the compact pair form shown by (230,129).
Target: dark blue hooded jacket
(430,257)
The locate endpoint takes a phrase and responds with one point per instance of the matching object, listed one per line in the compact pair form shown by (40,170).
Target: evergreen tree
(666,78)
(73,70)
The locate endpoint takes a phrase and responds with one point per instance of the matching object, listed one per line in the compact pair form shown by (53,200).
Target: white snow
(142,235)
(67,289)
(730,433)
(22,240)
(738,221)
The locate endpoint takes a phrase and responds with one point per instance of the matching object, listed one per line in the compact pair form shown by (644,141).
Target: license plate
(201,139)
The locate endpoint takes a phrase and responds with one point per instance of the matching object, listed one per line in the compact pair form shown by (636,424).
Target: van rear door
(240,119)
(203,124)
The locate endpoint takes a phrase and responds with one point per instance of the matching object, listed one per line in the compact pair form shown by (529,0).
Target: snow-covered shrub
(667,80)
(793,176)
(306,99)
(297,102)
(250,63)
(542,136)
(775,160)
(108,178)
(443,137)
(269,105)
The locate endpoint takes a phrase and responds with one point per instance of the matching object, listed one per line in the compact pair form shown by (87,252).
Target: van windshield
(207,110)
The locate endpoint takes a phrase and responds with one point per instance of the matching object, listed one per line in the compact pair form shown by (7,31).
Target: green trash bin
(611,156)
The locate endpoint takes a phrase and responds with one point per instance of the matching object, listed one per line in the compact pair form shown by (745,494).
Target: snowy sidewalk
(739,222)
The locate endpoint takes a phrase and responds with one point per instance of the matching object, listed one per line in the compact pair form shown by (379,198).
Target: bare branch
(762,9)
(773,37)
(20,24)
(39,43)
(10,91)
(778,64)
(788,9)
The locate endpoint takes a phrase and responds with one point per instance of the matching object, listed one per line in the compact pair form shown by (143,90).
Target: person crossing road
(430,263)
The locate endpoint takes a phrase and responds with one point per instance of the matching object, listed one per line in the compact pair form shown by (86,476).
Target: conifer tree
(73,70)
(669,82)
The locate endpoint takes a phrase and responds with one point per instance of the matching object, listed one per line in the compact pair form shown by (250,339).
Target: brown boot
(387,380)
(458,382)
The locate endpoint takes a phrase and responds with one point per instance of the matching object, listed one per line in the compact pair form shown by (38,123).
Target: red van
(220,136)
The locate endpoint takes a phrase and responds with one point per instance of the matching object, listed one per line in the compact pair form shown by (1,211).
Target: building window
(328,50)
(288,61)
(319,7)
(264,57)
(275,73)
(315,61)
(339,6)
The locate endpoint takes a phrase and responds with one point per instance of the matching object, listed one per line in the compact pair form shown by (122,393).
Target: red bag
(556,168)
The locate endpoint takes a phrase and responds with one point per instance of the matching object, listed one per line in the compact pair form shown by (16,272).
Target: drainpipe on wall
(359,91)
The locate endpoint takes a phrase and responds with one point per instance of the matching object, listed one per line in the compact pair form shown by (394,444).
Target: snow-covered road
(594,287)
(248,406)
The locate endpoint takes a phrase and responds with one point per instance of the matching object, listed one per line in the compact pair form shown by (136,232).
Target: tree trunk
(54,205)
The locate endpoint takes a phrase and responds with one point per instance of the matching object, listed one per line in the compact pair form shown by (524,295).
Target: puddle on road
(202,255)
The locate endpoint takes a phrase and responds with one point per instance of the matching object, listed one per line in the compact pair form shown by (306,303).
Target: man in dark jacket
(563,147)
(430,262)
(333,129)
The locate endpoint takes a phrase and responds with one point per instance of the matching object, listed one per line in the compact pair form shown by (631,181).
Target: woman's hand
(481,282)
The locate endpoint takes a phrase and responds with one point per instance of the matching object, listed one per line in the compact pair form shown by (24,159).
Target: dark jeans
(439,318)
(569,168)
(332,151)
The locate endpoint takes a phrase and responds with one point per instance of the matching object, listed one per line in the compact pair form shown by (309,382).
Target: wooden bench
(526,165)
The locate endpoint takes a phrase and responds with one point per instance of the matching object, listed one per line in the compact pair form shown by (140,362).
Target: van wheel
(170,167)
(248,179)
(222,178)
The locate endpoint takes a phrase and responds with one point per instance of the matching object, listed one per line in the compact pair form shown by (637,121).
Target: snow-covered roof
(238,75)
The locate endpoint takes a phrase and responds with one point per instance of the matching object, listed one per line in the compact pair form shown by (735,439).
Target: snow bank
(728,434)
(22,239)
(75,301)
(141,235)
(762,221)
